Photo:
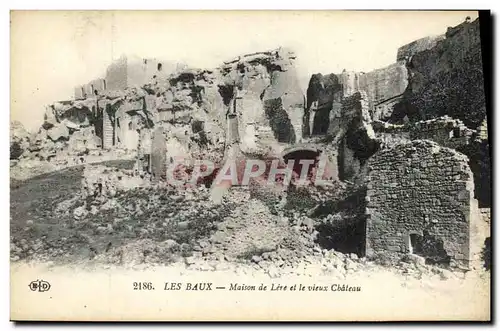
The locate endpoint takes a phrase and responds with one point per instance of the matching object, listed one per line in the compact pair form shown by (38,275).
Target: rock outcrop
(383,87)
(187,111)
(433,77)
(263,90)
(447,79)
(420,200)
(434,91)
(19,140)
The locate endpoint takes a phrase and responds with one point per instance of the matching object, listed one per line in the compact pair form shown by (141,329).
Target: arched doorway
(301,153)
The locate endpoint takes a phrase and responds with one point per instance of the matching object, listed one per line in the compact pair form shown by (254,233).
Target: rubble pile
(101,182)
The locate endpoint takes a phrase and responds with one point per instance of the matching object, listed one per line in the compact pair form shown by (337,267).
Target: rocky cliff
(447,79)
(435,79)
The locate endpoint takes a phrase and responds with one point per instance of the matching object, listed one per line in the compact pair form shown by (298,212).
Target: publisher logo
(39,285)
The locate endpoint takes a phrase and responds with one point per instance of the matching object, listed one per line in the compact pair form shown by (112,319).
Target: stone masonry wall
(425,191)
(445,131)
(116,75)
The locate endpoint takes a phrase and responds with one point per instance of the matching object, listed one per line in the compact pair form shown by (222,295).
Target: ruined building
(125,72)
(414,133)
(420,200)
(434,91)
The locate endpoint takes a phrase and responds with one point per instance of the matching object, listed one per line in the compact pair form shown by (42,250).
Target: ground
(147,233)
(45,224)
(51,221)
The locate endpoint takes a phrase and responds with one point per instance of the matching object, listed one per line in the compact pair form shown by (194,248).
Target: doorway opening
(415,244)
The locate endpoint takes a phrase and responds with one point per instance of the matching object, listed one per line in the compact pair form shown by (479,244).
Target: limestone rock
(58,132)
(49,119)
(19,140)
(80,212)
(437,77)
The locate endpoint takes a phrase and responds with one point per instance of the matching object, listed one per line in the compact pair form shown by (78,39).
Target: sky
(53,51)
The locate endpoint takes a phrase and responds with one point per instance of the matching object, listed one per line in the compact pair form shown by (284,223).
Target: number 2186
(143,286)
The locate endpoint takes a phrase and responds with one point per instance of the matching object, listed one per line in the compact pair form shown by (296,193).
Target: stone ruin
(405,131)
(420,200)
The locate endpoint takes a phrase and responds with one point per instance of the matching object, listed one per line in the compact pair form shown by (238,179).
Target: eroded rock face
(19,140)
(355,136)
(407,51)
(383,87)
(58,132)
(447,79)
(263,90)
(324,97)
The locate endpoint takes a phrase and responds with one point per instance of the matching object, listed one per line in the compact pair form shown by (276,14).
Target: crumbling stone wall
(102,182)
(389,134)
(445,131)
(382,85)
(116,74)
(480,162)
(433,77)
(98,85)
(420,200)
(123,73)
(19,139)
(131,71)
(128,118)
(263,90)
(79,94)
(383,88)
(355,135)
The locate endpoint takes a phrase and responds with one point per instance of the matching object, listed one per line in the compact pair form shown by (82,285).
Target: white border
(188,5)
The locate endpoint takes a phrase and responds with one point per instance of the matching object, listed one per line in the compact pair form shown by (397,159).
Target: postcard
(250,166)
